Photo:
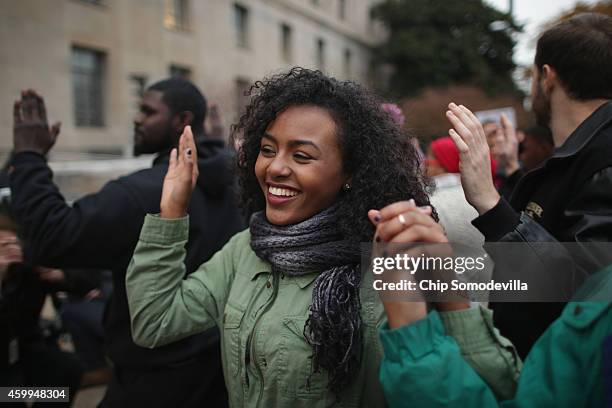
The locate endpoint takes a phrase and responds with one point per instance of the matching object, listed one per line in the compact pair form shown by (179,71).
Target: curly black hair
(383,164)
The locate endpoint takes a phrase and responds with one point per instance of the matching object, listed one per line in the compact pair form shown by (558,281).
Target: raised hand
(31,131)
(404,222)
(475,160)
(509,147)
(181,177)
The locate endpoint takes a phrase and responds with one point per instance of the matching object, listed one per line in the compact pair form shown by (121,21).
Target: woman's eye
(301,156)
(266,151)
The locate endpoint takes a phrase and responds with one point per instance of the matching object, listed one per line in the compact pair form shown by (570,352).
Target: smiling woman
(298,321)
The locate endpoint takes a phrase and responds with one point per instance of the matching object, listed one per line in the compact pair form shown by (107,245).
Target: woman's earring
(346,187)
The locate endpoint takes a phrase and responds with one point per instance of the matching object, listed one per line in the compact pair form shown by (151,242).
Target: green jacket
(567,367)
(261,316)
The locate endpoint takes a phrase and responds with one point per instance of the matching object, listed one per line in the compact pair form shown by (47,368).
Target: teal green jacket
(261,316)
(567,367)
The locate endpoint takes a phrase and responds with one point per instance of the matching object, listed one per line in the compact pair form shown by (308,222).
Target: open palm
(181,177)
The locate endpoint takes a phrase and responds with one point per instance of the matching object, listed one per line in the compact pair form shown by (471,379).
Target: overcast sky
(532,14)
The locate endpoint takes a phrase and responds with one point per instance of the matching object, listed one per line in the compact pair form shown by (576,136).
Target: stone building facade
(92,58)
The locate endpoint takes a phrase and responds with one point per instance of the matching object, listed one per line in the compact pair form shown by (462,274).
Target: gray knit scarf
(333,328)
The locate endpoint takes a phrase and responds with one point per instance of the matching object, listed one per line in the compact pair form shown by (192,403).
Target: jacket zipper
(251,337)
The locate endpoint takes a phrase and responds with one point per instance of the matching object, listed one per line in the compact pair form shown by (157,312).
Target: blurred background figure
(398,117)
(448,198)
(214,128)
(536,147)
(80,303)
(27,358)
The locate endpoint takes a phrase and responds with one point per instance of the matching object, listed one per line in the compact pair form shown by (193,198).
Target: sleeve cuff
(25,157)
(157,230)
(497,222)
(471,328)
(413,340)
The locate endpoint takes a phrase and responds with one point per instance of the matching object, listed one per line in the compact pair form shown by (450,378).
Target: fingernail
(452,105)
(425,208)
(411,202)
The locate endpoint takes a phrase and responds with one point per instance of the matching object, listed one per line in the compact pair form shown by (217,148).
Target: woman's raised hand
(181,177)
(475,159)
(404,222)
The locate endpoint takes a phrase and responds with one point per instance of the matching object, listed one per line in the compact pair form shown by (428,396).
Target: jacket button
(268,285)
(264,362)
(577,310)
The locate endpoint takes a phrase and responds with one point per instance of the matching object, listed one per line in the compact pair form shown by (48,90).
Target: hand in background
(31,131)
(10,251)
(50,275)
(506,150)
(475,160)
(181,177)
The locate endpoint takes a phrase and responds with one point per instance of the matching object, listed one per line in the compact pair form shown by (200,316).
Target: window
(342,9)
(88,87)
(241,25)
(348,56)
(286,39)
(177,71)
(138,81)
(240,97)
(176,14)
(321,54)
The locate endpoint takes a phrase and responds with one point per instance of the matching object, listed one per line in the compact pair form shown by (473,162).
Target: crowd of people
(238,274)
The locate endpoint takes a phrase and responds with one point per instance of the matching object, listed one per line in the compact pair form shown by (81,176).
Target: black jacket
(101,231)
(567,199)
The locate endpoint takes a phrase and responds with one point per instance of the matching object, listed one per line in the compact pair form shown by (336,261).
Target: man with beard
(101,230)
(569,198)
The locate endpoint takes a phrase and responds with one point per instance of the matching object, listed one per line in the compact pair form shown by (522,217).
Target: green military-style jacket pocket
(304,383)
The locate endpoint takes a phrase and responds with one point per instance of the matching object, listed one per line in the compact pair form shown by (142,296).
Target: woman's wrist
(171,214)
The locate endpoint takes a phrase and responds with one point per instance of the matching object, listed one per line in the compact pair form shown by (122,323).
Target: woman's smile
(279,194)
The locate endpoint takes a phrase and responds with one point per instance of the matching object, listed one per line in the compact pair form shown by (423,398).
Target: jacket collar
(585,131)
